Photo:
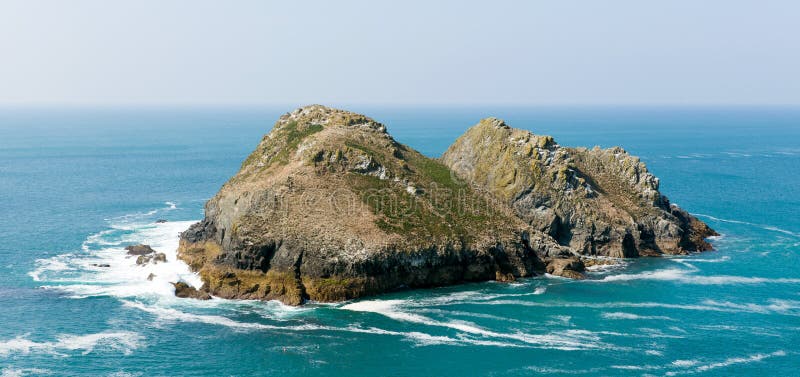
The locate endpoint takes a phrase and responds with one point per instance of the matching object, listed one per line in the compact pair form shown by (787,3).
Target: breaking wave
(103,268)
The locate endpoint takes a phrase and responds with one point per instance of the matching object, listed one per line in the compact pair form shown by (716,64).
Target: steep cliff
(595,201)
(330,207)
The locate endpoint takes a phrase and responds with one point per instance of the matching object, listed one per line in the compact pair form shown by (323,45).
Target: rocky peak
(493,122)
(596,201)
(326,116)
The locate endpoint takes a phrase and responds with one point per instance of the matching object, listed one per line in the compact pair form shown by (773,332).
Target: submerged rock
(184,290)
(330,207)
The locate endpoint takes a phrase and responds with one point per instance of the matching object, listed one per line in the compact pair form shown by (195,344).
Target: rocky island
(330,207)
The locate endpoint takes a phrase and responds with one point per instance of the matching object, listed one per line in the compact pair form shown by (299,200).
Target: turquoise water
(76,185)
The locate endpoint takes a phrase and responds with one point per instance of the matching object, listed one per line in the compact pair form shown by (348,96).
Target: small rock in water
(139,249)
(160,221)
(571,268)
(143,259)
(506,278)
(159,257)
(154,258)
(184,290)
(101,265)
(151,276)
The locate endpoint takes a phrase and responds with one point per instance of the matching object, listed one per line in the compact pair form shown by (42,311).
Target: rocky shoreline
(329,207)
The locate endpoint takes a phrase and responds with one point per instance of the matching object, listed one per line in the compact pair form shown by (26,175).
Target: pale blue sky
(408,52)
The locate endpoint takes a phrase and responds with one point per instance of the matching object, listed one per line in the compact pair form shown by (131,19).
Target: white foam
(684,363)
(540,290)
(123,341)
(623,315)
(608,264)
(563,341)
(685,277)
(699,367)
(545,370)
(11,372)
(637,367)
(721,259)
(775,306)
(172,315)
(791,307)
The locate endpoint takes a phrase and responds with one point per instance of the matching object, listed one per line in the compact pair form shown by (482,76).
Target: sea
(77,184)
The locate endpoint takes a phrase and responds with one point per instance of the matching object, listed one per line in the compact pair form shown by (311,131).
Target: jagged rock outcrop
(595,201)
(330,207)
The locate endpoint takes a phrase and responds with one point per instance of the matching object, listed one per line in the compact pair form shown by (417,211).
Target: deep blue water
(76,185)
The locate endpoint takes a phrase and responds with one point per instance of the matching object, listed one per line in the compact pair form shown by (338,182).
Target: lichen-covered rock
(330,207)
(595,201)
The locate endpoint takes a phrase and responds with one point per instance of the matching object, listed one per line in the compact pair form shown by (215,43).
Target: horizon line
(337,104)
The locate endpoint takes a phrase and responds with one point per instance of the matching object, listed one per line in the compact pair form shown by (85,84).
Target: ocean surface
(78,184)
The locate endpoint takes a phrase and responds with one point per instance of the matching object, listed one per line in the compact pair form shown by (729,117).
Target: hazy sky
(407,52)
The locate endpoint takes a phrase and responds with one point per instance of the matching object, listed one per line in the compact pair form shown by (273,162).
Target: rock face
(595,201)
(330,207)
